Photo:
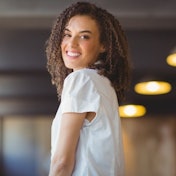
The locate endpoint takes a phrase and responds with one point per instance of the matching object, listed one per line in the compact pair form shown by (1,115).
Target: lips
(73,54)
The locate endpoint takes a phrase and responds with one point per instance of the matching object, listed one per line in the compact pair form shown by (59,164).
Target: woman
(88,62)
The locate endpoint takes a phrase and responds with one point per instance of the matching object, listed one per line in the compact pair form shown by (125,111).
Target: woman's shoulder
(82,74)
(80,81)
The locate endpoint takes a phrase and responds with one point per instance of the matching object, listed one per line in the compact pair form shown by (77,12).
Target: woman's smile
(73,54)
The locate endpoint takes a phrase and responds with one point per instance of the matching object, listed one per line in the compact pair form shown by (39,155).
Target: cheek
(62,47)
(64,43)
(89,47)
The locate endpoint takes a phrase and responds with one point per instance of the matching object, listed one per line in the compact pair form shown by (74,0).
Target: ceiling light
(152,88)
(171,59)
(131,110)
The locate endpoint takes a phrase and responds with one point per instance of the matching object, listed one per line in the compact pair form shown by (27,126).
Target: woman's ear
(102,49)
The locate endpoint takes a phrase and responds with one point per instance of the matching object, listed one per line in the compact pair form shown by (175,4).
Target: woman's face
(81,44)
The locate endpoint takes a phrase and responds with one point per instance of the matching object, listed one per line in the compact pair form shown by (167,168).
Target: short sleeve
(79,94)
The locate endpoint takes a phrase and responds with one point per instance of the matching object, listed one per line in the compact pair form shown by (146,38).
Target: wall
(149,144)
(26,145)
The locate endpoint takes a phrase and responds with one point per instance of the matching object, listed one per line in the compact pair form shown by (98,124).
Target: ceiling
(25,86)
(158,14)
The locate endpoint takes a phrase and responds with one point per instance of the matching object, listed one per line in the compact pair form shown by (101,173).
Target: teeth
(73,54)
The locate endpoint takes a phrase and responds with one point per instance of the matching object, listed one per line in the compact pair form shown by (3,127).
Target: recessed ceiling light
(131,111)
(171,59)
(153,87)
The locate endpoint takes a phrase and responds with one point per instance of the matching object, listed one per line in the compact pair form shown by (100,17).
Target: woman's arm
(63,161)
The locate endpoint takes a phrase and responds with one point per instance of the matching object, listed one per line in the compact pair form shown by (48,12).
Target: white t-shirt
(100,149)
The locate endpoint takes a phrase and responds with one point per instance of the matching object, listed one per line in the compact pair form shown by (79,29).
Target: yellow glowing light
(153,88)
(131,110)
(171,59)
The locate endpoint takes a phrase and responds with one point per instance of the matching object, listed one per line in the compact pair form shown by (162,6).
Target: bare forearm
(60,170)
(63,159)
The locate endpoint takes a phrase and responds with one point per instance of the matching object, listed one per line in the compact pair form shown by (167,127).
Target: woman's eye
(67,35)
(85,37)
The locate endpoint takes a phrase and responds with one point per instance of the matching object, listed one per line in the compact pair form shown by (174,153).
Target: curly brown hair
(113,63)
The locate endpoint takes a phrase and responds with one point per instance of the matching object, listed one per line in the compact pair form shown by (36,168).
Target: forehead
(82,22)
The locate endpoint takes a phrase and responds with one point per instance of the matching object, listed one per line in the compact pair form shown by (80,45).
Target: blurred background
(28,101)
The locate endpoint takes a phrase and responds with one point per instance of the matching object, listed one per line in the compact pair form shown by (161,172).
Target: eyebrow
(84,31)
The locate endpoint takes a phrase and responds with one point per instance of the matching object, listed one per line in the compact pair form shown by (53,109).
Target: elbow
(58,167)
(61,166)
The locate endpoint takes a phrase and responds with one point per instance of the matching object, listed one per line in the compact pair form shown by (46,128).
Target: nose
(73,42)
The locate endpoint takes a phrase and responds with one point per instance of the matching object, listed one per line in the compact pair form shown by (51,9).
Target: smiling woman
(81,45)
(88,62)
